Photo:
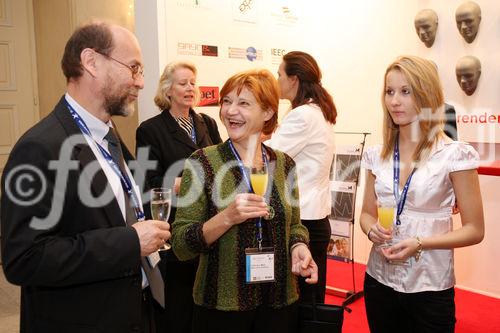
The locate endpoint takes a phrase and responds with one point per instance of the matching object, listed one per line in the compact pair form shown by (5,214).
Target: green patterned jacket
(209,184)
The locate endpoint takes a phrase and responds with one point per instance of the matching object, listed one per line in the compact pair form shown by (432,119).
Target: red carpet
(475,313)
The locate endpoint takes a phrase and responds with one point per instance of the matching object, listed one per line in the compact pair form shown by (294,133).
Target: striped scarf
(186,124)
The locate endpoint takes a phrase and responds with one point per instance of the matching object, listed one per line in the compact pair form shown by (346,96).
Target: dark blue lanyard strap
(258,223)
(400,200)
(124,179)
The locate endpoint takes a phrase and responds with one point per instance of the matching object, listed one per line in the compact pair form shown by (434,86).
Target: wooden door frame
(34,67)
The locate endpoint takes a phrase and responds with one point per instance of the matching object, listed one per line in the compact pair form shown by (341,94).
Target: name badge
(154,259)
(259,265)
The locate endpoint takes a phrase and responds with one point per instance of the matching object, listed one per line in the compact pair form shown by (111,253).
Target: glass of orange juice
(386,216)
(258,178)
(385,210)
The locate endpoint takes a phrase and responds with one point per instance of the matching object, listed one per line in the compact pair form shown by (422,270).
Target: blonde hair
(427,94)
(263,85)
(167,77)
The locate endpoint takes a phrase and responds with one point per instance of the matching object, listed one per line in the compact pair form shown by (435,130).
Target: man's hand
(152,235)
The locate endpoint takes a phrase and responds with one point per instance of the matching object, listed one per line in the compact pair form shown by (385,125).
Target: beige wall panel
(7,66)
(3,160)
(5,13)
(119,12)
(55,20)
(116,11)
(18,86)
(8,119)
(52,30)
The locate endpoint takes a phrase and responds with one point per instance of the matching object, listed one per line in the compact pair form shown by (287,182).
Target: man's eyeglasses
(134,69)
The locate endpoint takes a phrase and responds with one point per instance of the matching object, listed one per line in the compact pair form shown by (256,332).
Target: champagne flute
(161,201)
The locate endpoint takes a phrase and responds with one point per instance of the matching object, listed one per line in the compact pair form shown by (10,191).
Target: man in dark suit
(73,233)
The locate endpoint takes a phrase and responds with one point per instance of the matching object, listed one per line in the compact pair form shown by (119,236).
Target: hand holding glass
(161,201)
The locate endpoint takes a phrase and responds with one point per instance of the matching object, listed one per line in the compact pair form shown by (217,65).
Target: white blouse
(427,212)
(309,139)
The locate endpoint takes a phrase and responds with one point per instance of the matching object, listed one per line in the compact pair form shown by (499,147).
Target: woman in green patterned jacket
(251,247)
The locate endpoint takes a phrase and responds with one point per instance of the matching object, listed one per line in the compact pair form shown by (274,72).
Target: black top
(168,143)
(450,122)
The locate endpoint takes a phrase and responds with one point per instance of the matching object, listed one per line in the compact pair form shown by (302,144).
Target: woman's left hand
(401,250)
(303,264)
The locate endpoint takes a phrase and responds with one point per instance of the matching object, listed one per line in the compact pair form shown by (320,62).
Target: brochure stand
(344,180)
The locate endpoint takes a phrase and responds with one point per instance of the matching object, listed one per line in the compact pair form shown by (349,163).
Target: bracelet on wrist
(418,253)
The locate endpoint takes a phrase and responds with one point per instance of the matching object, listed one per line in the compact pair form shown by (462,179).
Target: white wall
(353,42)
(476,267)
(151,31)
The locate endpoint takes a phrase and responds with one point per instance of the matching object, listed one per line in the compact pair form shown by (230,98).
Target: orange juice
(259,183)
(386,216)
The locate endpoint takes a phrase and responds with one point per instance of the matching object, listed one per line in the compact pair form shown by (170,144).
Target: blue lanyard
(124,179)
(258,223)
(193,132)
(400,201)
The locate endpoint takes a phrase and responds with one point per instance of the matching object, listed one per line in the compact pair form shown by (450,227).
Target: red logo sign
(209,50)
(209,96)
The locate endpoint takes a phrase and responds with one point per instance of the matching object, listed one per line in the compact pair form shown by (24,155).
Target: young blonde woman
(409,282)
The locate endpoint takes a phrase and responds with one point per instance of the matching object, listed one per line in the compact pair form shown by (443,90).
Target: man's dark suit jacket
(83,274)
(450,123)
(169,143)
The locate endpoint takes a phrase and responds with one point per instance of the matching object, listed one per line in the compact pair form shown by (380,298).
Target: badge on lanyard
(400,199)
(259,262)
(154,259)
(259,265)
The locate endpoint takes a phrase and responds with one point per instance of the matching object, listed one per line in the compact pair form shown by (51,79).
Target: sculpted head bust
(468,71)
(426,23)
(468,17)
